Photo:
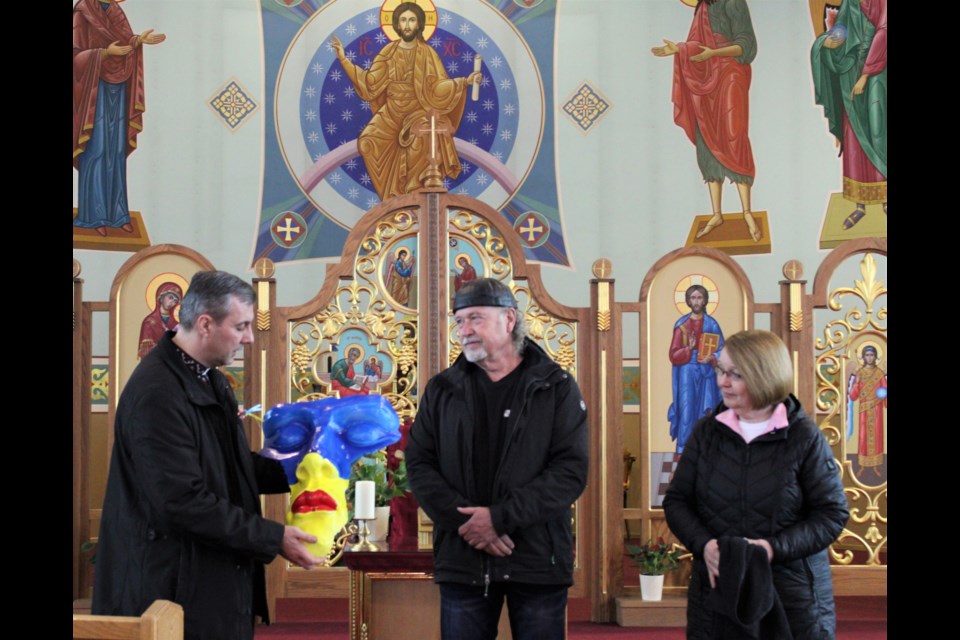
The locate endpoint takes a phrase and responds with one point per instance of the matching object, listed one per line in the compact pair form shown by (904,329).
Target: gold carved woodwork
(796,307)
(602,268)
(603,300)
(793,271)
(796,320)
(263,320)
(558,337)
(862,321)
(476,230)
(603,320)
(263,265)
(361,306)
(264,268)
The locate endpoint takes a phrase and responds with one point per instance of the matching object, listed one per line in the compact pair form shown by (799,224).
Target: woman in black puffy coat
(757,499)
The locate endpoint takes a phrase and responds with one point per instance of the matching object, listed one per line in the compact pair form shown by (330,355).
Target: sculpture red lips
(313,501)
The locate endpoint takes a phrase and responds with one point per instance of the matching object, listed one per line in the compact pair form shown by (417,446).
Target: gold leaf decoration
(330,328)
(407,356)
(535,329)
(557,336)
(359,308)
(263,320)
(566,357)
(603,321)
(301,358)
(861,318)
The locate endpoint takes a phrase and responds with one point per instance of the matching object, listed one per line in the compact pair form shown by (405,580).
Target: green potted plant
(390,483)
(654,560)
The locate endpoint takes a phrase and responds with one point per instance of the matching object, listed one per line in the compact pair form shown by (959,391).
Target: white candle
(363,508)
(476,85)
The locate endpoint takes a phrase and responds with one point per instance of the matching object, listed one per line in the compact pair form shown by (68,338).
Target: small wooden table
(393,596)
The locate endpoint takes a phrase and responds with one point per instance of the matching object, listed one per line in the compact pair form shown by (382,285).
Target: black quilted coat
(784,487)
(543,470)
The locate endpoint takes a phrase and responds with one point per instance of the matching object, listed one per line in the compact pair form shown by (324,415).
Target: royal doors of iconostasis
(382,323)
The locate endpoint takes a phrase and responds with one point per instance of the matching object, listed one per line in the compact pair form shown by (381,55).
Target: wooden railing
(162,621)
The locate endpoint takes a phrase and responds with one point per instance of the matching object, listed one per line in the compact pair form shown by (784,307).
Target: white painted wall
(629,188)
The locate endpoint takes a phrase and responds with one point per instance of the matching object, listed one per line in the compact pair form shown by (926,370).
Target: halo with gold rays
(386,18)
(150,292)
(350,346)
(679,292)
(399,248)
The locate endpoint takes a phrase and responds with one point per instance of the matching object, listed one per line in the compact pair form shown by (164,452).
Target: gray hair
(212,293)
(519,331)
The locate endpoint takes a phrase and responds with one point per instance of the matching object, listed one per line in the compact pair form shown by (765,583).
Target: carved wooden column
(603,557)
(262,385)
(81,428)
(795,324)
(259,355)
(433,320)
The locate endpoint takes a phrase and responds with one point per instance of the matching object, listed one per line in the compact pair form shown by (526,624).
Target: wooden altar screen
(660,304)
(823,366)
(359,300)
(847,311)
(387,303)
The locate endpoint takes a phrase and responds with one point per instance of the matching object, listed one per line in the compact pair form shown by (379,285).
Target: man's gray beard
(476,354)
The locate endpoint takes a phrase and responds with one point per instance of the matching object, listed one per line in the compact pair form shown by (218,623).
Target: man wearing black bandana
(497,456)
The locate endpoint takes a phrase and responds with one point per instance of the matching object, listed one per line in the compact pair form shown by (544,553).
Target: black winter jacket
(542,471)
(169,528)
(783,487)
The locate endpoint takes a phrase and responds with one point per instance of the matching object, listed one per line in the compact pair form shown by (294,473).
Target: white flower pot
(651,587)
(380,526)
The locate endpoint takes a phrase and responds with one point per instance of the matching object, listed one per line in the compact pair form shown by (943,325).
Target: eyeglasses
(733,375)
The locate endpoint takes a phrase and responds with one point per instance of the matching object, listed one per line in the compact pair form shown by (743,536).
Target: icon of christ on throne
(410,95)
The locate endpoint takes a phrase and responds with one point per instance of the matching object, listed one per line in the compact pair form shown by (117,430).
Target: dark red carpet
(858,618)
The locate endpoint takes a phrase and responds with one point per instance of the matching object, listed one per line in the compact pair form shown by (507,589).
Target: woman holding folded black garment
(757,499)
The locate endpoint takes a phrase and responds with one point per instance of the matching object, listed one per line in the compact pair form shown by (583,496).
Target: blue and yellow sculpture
(317,442)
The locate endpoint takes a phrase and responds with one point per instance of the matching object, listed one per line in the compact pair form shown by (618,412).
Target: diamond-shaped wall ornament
(233,104)
(585,107)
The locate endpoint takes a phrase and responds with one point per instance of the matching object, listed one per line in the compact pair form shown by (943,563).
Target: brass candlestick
(364,533)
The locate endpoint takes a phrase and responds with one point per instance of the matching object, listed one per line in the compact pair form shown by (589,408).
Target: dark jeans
(537,612)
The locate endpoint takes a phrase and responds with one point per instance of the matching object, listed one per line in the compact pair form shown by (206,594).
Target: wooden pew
(162,621)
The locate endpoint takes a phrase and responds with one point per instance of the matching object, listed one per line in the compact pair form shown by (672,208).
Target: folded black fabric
(745,600)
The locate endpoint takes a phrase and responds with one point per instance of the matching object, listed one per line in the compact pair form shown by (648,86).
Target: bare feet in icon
(712,224)
(752,226)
